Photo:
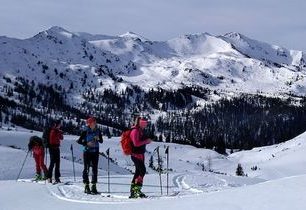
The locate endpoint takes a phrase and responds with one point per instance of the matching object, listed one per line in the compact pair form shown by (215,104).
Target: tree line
(243,122)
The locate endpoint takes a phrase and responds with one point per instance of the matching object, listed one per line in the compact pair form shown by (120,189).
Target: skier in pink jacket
(139,148)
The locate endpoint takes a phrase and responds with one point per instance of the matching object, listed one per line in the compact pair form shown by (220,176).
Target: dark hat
(57,122)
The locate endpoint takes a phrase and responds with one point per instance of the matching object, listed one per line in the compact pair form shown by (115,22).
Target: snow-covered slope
(59,57)
(190,161)
(272,162)
(190,187)
(232,62)
(266,52)
(276,161)
(265,196)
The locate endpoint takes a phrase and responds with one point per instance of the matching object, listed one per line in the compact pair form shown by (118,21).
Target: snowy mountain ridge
(264,51)
(229,63)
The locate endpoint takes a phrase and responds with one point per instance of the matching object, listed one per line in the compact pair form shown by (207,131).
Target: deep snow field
(279,183)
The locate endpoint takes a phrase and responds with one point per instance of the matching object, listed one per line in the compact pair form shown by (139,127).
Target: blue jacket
(90,139)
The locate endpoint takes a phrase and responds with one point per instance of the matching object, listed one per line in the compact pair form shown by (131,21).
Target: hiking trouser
(40,162)
(140,170)
(54,161)
(91,159)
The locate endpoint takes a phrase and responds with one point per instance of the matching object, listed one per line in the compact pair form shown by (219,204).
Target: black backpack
(35,141)
(46,137)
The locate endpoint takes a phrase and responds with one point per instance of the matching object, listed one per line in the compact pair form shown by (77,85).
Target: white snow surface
(276,184)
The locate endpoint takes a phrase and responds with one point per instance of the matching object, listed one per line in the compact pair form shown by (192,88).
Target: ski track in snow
(180,182)
(73,192)
(225,183)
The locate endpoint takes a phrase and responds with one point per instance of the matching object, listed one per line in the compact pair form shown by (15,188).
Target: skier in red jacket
(56,135)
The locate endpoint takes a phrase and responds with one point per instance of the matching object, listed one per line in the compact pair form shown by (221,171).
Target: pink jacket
(138,142)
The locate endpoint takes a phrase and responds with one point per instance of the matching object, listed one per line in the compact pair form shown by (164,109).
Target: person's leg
(142,169)
(52,162)
(94,162)
(142,172)
(42,164)
(135,189)
(57,164)
(139,179)
(86,161)
(137,172)
(37,166)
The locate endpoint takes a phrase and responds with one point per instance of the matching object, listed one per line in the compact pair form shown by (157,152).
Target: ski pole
(71,148)
(46,155)
(167,152)
(23,165)
(159,166)
(46,160)
(108,176)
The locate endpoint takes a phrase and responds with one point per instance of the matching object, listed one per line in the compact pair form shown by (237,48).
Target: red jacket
(56,136)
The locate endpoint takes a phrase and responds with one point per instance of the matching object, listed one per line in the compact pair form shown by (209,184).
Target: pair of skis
(108,165)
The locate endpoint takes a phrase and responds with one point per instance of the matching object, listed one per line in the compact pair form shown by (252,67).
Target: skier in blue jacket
(90,139)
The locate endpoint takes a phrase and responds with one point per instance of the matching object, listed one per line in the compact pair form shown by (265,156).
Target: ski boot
(136,191)
(140,193)
(57,180)
(87,189)
(94,190)
(45,177)
(37,177)
(133,191)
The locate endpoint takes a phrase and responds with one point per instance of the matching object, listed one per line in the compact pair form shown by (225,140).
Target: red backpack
(126,142)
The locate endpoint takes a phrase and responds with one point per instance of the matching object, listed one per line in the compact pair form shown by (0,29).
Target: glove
(82,142)
(91,144)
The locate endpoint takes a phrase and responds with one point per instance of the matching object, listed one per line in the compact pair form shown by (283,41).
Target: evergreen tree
(239,170)
(160,138)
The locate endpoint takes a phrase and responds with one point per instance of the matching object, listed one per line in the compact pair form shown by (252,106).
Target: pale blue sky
(281,22)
